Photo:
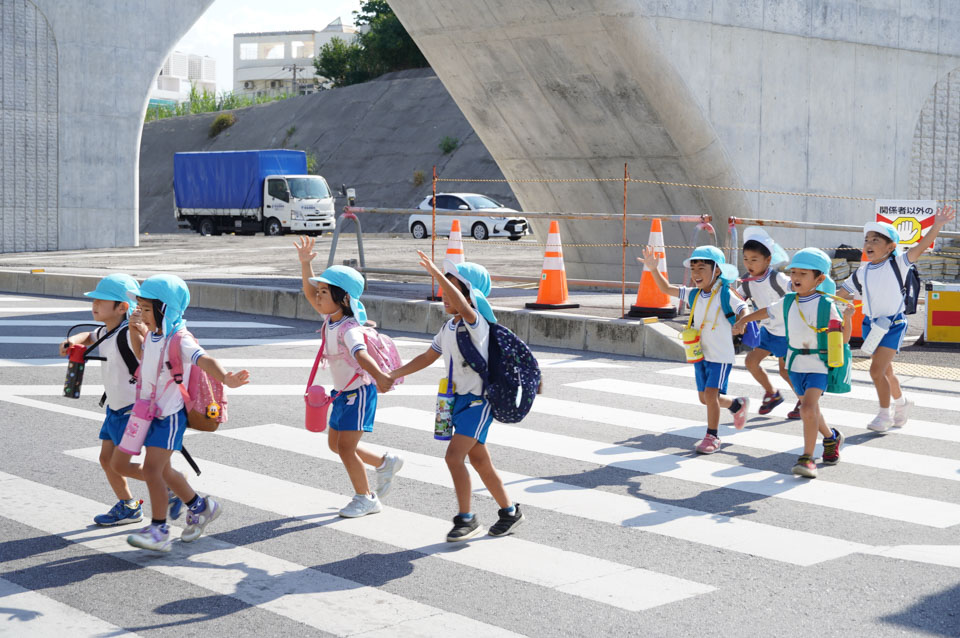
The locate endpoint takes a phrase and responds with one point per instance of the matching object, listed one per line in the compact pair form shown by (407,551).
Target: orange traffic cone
(856,337)
(552,294)
(454,253)
(650,301)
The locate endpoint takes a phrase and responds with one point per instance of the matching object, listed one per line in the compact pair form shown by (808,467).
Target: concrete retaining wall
(537,328)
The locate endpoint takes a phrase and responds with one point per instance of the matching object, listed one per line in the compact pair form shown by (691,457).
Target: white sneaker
(153,537)
(901,412)
(389,468)
(882,422)
(361,505)
(198,521)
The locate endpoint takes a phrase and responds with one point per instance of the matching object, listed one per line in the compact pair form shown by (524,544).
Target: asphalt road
(627,532)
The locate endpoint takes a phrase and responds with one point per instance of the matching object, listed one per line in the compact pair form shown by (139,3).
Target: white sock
(886,411)
(901,401)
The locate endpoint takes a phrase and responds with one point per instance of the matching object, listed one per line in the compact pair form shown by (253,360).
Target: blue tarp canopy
(230,179)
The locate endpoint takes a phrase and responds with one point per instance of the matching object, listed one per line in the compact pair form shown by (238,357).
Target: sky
(213,33)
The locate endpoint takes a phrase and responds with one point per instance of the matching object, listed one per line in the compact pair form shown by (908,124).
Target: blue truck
(247,192)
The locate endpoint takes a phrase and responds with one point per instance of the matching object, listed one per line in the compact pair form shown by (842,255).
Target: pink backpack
(204,398)
(380,347)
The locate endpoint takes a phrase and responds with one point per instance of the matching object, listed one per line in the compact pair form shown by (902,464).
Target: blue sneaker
(174,506)
(120,514)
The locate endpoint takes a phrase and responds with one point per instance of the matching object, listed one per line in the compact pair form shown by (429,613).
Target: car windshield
(479,202)
(308,187)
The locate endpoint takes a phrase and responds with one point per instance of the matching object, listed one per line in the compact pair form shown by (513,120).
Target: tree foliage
(382,46)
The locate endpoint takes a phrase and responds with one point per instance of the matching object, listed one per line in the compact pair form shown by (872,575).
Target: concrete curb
(536,327)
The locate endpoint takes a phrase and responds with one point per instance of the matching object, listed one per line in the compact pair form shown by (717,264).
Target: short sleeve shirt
(762,294)
(716,332)
(881,291)
(169,399)
(465,380)
(803,323)
(116,377)
(343,371)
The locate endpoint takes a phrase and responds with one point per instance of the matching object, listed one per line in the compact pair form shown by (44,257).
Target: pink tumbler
(318,402)
(138,425)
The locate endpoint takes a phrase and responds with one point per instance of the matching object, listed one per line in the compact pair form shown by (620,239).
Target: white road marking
(562,364)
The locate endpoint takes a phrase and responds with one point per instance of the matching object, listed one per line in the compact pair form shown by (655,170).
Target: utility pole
(294,68)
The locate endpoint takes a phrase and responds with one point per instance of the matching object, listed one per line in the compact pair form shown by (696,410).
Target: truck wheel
(273,228)
(418,230)
(206,226)
(479,231)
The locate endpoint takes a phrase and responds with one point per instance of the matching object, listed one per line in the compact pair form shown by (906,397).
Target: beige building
(181,71)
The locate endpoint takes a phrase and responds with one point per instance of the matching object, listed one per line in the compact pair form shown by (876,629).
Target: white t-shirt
(716,332)
(762,294)
(116,378)
(169,398)
(342,371)
(881,292)
(465,379)
(802,335)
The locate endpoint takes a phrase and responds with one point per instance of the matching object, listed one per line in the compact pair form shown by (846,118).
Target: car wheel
(479,231)
(515,237)
(206,226)
(273,227)
(418,230)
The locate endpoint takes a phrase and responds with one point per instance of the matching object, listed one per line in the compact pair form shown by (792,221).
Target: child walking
(356,377)
(465,287)
(162,300)
(764,285)
(713,308)
(808,372)
(877,284)
(119,338)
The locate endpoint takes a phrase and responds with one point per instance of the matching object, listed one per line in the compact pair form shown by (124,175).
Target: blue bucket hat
(115,288)
(811,259)
(728,272)
(887,231)
(172,292)
(351,282)
(477,280)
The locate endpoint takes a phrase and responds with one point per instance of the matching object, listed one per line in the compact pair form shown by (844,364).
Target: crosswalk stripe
(560,364)
(307,595)
(32,614)
(596,579)
(865,393)
(833,416)
(53,323)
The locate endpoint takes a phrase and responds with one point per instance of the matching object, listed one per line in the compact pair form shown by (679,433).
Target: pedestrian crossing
(625,525)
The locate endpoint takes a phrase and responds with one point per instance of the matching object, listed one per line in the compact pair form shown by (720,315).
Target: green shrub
(221,123)
(419,177)
(449,144)
(312,164)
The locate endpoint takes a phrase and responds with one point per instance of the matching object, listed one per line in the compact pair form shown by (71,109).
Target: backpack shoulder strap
(691,296)
(856,282)
(126,352)
(470,353)
(745,284)
(176,357)
(725,305)
(896,271)
(823,322)
(774,283)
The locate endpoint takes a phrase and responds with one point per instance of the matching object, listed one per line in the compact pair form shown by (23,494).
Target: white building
(179,72)
(263,62)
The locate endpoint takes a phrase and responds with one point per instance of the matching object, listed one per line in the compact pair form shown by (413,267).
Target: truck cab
(297,204)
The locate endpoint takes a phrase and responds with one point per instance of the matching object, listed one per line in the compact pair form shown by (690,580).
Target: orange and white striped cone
(454,253)
(552,294)
(856,337)
(650,301)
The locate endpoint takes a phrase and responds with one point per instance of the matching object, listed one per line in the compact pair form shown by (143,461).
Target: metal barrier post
(732,232)
(623,252)
(347,214)
(704,225)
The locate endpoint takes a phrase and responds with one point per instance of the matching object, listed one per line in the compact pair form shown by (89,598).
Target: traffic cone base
(637,312)
(651,302)
(552,293)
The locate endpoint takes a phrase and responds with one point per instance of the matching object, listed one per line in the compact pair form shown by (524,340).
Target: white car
(501,222)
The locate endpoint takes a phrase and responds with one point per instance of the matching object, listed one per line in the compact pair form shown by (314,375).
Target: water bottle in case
(75,367)
(443,425)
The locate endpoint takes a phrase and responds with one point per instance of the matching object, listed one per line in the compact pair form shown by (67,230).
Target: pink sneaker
(740,416)
(708,445)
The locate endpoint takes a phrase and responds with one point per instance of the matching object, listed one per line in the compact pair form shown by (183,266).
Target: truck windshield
(308,187)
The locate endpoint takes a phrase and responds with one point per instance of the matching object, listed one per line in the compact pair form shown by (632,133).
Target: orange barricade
(552,294)
(650,301)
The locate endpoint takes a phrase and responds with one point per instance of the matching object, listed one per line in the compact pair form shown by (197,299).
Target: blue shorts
(777,346)
(114,424)
(353,410)
(472,416)
(712,375)
(803,381)
(167,433)
(894,337)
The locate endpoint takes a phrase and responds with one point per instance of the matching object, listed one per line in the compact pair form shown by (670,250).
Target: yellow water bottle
(835,344)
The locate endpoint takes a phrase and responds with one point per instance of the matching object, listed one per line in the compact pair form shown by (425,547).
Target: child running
(808,373)
(877,284)
(465,289)
(162,300)
(335,294)
(764,285)
(713,308)
(118,339)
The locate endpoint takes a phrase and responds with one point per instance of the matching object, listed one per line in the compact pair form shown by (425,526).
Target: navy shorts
(167,433)
(114,424)
(353,410)
(894,337)
(803,381)
(777,346)
(472,416)
(712,375)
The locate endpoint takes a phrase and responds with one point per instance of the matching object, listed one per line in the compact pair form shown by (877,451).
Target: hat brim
(450,268)
(93,294)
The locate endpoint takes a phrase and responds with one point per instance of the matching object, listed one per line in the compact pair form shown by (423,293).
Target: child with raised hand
(808,372)
(162,300)
(713,307)
(465,287)
(763,285)
(121,333)
(876,283)
(356,377)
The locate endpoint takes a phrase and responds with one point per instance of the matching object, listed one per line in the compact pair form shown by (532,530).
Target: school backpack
(745,284)
(909,287)
(511,374)
(129,359)
(203,398)
(380,347)
(725,304)
(838,379)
